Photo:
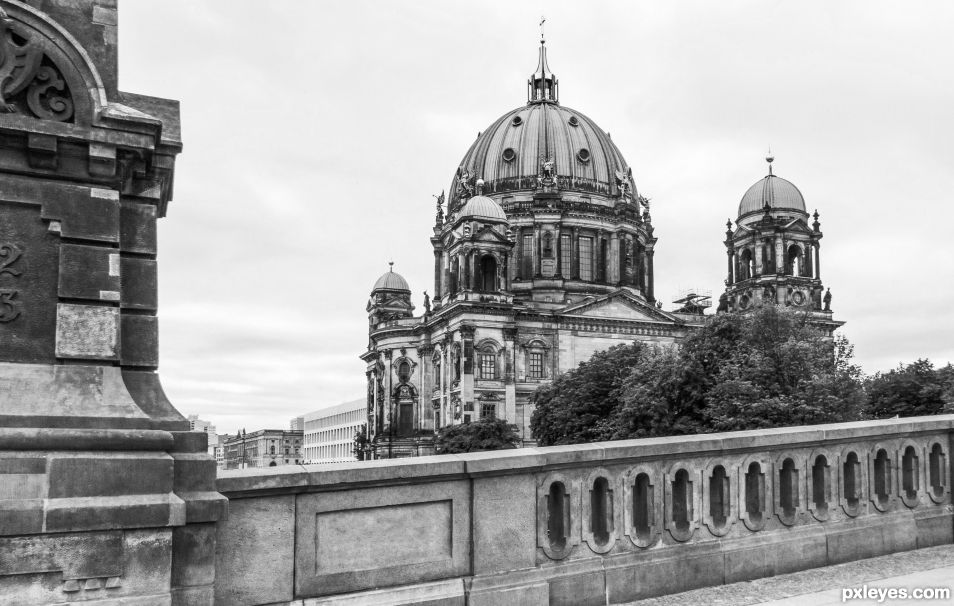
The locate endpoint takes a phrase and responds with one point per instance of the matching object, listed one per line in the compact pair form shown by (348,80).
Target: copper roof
(391,281)
(508,154)
(774,191)
(482,207)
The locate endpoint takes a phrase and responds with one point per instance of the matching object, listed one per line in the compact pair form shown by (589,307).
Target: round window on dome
(517,121)
(573,121)
(583,155)
(509,154)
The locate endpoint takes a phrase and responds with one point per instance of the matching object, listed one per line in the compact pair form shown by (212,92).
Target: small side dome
(391,281)
(482,208)
(774,191)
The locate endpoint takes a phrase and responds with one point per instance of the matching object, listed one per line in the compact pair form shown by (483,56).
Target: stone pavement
(929,567)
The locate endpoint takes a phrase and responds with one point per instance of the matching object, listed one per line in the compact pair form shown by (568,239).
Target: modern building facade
(329,432)
(262,448)
(542,256)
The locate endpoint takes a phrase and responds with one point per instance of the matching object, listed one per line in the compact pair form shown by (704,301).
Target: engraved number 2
(9,309)
(9,253)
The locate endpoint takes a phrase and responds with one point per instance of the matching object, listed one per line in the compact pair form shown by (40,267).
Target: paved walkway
(931,567)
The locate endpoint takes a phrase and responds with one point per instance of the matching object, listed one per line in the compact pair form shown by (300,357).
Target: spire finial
(543,85)
(391,266)
(770,158)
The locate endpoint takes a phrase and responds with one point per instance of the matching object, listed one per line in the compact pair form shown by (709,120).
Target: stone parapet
(584,524)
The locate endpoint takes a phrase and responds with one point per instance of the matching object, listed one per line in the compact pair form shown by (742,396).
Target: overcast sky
(316,133)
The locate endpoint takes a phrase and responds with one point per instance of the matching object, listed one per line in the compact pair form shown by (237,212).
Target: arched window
(271,450)
(794,262)
(488,274)
(404,371)
(487,364)
(455,275)
(746,268)
(436,362)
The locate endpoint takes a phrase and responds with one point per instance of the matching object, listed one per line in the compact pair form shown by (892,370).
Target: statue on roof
(827,299)
(439,219)
(465,183)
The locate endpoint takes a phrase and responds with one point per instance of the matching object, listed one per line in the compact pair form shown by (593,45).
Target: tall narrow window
(404,372)
(526,262)
(488,366)
(535,370)
(566,256)
(586,259)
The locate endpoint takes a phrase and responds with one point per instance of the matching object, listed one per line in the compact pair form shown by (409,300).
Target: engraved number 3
(9,309)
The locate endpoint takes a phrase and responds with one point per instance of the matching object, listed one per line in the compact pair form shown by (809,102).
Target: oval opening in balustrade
(821,493)
(558,516)
(882,477)
(754,492)
(682,501)
(788,489)
(643,507)
(601,511)
(719,497)
(936,470)
(910,468)
(852,477)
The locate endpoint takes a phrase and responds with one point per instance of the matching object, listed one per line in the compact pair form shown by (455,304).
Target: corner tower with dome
(543,255)
(774,253)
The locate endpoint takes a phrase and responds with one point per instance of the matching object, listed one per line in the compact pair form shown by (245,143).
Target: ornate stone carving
(29,82)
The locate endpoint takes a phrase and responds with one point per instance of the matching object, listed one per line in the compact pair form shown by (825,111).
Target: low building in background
(297,424)
(262,448)
(329,432)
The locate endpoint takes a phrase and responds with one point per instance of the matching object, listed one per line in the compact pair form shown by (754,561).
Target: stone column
(510,396)
(818,260)
(729,279)
(650,294)
(438,290)
(559,252)
(780,256)
(614,264)
(537,252)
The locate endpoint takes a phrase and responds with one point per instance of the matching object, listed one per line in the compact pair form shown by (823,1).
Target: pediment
(619,305)
(488,234)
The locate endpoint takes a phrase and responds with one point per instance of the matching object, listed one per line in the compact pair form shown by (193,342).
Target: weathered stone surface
(263,526)
(86,331)
(504,523)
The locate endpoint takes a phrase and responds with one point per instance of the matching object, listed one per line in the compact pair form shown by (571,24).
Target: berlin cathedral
(543,255)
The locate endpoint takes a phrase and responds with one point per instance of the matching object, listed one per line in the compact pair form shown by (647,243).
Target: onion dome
(543,138)
(482,208)
(390,280)
(773,191)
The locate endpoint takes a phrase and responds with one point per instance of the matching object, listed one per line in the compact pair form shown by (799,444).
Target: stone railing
(589,524)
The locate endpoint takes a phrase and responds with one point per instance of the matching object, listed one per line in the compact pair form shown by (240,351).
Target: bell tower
(774,252)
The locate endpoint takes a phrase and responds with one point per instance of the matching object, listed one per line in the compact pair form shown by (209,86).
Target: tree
(361,446)
(571,409)
(486,434)
(913,390)
(770,368)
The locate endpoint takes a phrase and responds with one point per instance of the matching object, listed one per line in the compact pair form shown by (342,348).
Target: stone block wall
(590,524)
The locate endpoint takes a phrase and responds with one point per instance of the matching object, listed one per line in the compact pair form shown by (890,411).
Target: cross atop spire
(543,86)
(770,158)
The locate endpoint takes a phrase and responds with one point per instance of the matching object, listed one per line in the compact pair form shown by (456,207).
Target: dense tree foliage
(912,390)
(485,434)
(770,368)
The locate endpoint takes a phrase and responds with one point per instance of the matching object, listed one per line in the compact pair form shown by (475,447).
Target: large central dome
(510,154)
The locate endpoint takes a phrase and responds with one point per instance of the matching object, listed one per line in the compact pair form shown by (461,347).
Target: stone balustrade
(588,524)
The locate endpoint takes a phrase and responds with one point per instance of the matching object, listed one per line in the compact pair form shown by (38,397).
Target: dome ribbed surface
(482,207)
(391,281)
(776,192)
(508,154)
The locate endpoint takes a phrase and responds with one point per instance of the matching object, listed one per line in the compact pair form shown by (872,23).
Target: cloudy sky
(316,133)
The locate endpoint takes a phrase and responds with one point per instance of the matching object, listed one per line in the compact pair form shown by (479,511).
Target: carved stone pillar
(614,264)
(438,291)
(575,258)
(817,260)
(650,289)
(729,279)
(107,495)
